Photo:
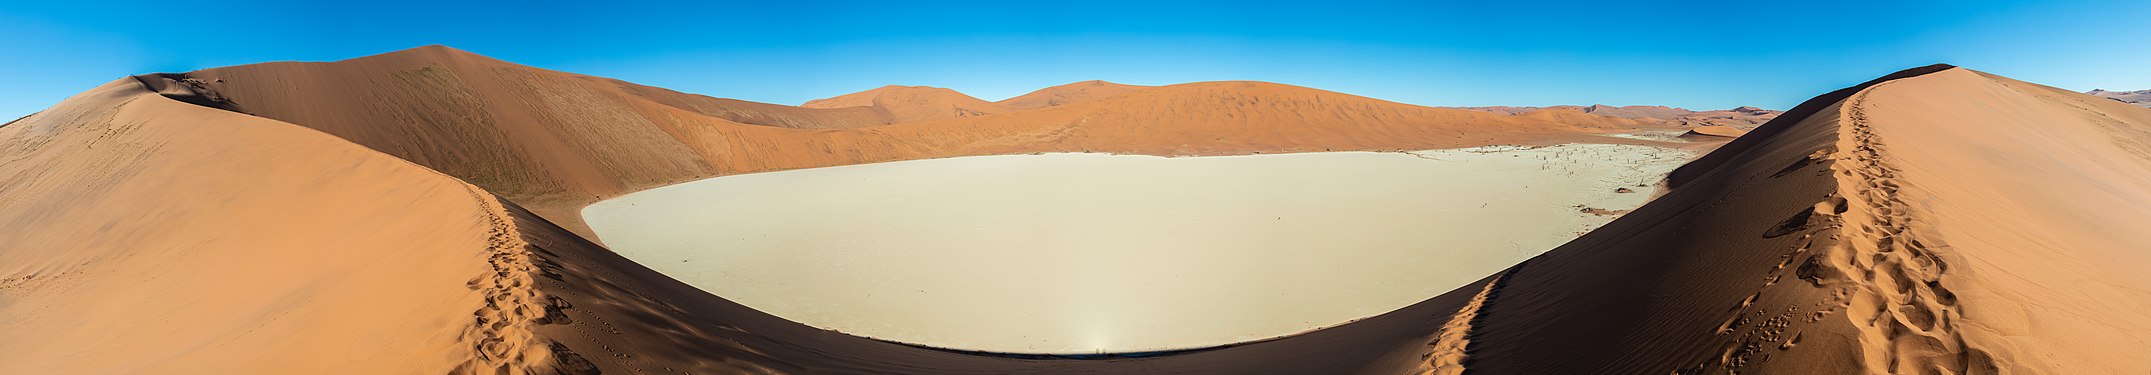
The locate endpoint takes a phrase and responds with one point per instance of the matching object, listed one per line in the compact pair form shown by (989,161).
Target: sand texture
(1937,220)
(148,235)
(1091,253)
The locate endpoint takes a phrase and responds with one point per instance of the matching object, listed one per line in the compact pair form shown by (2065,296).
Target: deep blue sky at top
(1696,54)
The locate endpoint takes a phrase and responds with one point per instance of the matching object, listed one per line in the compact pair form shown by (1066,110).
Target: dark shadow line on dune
(1704,165)
(186,89)
(19,119)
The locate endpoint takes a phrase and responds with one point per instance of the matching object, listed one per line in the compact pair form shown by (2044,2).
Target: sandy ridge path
(501,337)
(1907,317)
(2033,198)
(1452,347)
(376,265)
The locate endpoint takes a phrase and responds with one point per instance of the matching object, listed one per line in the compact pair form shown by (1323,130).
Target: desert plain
(1070,253)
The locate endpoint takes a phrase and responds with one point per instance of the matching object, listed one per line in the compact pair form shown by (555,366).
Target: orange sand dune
(1935,220)
(913,103)
(1858,234)
(1069,94)
(746,112)
(147,235)
(556,142)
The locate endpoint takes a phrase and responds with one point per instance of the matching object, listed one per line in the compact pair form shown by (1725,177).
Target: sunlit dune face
(1089,253)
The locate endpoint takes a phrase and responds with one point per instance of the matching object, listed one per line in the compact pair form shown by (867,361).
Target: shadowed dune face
(1867,243)
(746,112)
(1712,132)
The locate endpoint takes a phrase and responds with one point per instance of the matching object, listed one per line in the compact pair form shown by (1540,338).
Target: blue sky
(1691,54)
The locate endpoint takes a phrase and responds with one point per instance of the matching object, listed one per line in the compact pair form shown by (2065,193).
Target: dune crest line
(501,336)
(1452,347)
(1906,318)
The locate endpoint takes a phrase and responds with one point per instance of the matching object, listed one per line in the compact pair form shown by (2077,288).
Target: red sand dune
(148,235)
(1069,94)
(1935,220)
(912,103)
(556,142)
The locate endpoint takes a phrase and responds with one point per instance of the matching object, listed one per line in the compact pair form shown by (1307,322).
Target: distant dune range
(1742,117)
(2141,98)
(556,142)
(1936,219)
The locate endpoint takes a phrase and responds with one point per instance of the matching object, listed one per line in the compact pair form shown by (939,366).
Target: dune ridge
(502,337)
(1452,347)
(1899,269)
(1713,131)
(912,103)
(1879,268)
(556,141)
(135,243)
(1068,94)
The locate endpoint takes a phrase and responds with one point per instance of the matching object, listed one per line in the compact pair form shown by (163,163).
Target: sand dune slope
(2033,203)
(1950,222)
(528,134)
(754,113)
(147,235)
(549,139)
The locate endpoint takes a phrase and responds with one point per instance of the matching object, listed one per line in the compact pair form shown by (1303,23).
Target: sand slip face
(147,235)
(1086,253)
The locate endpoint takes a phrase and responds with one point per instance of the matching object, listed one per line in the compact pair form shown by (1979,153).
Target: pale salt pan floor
(1097,253)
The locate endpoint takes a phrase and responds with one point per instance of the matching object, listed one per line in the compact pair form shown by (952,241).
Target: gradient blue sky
(1699,54)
